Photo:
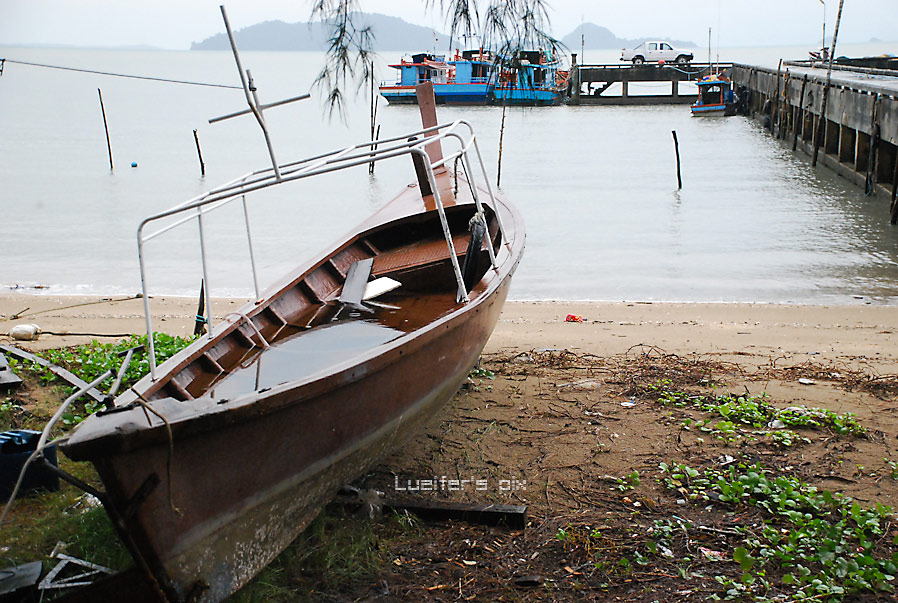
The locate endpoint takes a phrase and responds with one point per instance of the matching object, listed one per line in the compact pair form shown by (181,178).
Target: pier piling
(857,135)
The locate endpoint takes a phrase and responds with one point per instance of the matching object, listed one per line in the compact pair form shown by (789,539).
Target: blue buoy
(133,164)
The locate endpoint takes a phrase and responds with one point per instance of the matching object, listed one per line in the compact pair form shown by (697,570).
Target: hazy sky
(176,23)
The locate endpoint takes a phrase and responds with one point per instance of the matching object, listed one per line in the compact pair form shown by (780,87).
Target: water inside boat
(344,333)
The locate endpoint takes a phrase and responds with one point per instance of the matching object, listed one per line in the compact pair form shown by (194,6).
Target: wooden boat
(468,79)
(538,80)
(715,96)
(216,461)
(475,77)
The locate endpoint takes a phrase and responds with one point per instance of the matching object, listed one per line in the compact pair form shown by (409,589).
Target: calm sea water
(596,185)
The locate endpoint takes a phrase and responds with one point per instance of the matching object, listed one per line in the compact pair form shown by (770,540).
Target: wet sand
(857,334)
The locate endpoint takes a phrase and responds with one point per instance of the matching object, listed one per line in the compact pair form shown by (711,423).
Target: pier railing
(599,78)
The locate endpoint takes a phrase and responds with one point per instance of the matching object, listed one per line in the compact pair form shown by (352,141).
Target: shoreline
(741,332)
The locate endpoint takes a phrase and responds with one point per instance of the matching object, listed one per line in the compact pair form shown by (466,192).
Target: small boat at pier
(715,96)
(223,454)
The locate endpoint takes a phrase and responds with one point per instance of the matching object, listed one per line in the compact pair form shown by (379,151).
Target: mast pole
(249,90)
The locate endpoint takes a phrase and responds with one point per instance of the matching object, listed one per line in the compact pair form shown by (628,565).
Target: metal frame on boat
(360,154)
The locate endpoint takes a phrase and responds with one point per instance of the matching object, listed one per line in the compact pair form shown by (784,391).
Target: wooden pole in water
(776,101)
(784,98)
(373,118)
(501,136)
(106,127)
(677,150)
(894,209)
(821,125)
(795,128)
(199,153)
(873,151)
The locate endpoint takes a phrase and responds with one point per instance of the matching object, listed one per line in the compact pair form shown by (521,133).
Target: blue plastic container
(15,448)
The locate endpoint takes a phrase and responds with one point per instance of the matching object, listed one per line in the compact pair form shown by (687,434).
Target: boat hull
(722,109)
(207,497)
(218,524)
(446,94)
(525,96)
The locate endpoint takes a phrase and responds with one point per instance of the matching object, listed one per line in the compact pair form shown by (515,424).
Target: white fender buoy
(28,332)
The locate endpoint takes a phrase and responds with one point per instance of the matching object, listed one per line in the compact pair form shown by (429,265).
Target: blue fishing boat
(715,96)
(467,79)
(536,79)
(476,77)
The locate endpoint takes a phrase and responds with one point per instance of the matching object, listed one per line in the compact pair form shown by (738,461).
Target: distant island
(596,37)
(390,33)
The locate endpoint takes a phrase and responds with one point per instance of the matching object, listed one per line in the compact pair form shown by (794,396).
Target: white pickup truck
(654,51)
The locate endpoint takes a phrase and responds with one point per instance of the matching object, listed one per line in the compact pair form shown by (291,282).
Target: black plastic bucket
(15,448)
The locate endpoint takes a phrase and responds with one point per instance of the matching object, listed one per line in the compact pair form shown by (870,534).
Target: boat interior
(325,316)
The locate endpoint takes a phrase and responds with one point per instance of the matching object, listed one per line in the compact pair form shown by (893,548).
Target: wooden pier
(859,134)
(590,82)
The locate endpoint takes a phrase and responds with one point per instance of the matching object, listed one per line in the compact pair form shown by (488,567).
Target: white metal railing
(413,143)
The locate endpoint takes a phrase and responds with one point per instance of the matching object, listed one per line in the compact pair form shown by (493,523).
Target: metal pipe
(227,23)
(121,372)
(252,257)
(462,291)
(479,206)
(247,88)
(293,99)
(151,348)
(261,119)
(252,325)
(224,194)
(489,189)
(176,223)
(325,163)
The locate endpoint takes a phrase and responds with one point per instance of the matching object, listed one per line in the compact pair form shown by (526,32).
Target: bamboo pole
(199,153)
(501,137)
(106,127)
(776,100)
(783,105)
(795,128)
(677,151)
(374,129)
(872,152)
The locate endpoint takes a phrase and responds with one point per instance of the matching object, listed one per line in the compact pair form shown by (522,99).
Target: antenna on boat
(252,98)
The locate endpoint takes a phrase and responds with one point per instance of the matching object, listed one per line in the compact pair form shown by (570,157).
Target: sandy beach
(752,333)
(567,419)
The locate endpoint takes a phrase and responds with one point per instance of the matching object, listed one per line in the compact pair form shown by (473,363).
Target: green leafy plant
(826,545)
(91,360)
(629,481)
(757,412)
